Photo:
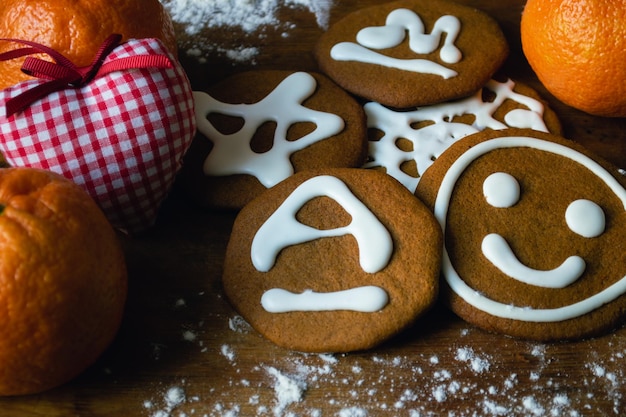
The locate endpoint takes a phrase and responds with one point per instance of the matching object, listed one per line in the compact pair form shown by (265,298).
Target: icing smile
(583,217)
(499,253)
(501,190)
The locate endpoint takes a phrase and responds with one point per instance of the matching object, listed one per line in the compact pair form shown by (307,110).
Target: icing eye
(585,218)
(501,190)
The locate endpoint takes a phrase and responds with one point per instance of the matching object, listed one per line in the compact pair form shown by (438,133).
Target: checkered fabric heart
(122,136)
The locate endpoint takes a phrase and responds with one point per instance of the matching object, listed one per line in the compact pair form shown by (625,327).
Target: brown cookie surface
(256,128)
(334,260)
(412,53)
(534,229)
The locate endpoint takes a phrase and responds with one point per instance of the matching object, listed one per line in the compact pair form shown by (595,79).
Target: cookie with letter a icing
(333,260)
(412,52)
(257,128)
(534,228)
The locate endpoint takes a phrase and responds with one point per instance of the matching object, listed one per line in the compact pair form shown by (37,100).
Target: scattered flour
(228,353)
(353,412)
(189,335)
(172,398)
(478,363)
(288,389)
(250,16)
(457,380)
(239,324)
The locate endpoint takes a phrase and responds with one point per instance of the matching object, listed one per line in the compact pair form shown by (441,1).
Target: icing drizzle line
(368,299)
(398,22)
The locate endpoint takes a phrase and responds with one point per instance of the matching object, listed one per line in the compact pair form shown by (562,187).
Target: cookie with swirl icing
(257,128)
(333,260)
(534,228)
(411,53)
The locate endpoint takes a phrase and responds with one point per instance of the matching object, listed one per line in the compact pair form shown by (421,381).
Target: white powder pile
(172,398)
(228,353)
(288,389)
(250,16)
(479,364)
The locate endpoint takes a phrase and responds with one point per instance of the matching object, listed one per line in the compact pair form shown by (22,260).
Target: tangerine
(77,28)
(577,48)
(63,281)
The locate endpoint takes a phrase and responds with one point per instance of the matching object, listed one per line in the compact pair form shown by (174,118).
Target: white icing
(348,51)
(501,190)
(367,299)
(585,218)
(282,229)
(232,153)
(496,308)
(398,23)
(431,141)
(499,253)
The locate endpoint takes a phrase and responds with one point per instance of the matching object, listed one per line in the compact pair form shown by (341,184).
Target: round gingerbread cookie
(333,260)
(257,128)
(404,143)
(534,228)
(412,53)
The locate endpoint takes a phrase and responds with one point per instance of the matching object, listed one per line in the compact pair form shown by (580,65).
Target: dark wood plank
(180,336)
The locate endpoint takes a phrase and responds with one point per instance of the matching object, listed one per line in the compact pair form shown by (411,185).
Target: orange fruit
(63,281)
(577,48)
(77,28)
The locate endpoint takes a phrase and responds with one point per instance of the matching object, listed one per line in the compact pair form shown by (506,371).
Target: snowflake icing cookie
(405,143)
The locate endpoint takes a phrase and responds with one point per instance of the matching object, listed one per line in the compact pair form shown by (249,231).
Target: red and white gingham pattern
(122,137)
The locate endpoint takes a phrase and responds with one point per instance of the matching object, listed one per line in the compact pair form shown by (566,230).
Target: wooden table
(183,351)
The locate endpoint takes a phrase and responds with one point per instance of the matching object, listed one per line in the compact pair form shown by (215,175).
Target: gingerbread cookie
(405,143)
(534,229)
(258,128)
(412,53)
(333,260)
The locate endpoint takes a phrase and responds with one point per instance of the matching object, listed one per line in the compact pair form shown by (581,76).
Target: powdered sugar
(479,380)
(252,17)
(288,389)
(249,15)
(479,364)
(457,376)
(172,398)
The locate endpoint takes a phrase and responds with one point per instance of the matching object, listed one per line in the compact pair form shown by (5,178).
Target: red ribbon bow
(62,73)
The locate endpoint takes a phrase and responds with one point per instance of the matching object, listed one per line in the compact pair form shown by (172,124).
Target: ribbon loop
(40,68)
(62,73)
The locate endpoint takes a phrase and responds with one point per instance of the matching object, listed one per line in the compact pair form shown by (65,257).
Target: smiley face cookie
(534,230)
(333,261)
(259,127)
(412,53)
(404,143)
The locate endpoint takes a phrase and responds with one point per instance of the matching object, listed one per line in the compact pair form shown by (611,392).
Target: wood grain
(179,332)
